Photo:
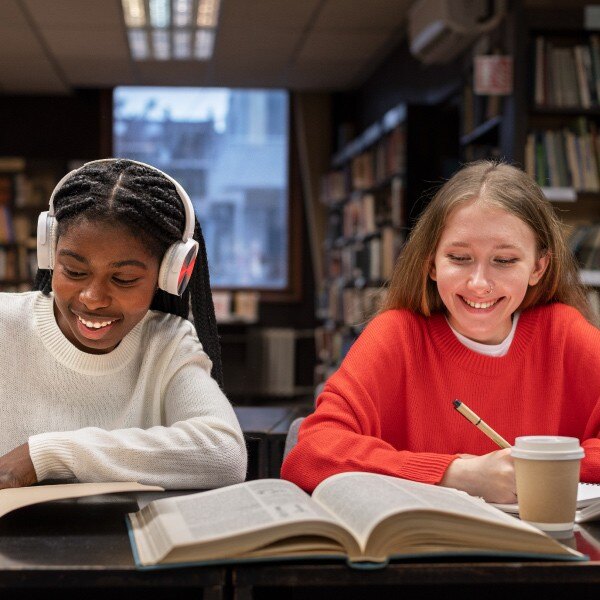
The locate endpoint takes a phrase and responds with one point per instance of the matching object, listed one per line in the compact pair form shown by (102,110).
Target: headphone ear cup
(177,266)
(46,241)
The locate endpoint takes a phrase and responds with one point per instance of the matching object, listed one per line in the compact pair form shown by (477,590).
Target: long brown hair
(506,187)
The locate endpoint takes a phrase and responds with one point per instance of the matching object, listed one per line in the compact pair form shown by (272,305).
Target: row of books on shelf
(566,157)
(350,306)
(331,346)
(371,168)
(17,264)
(584,242)
(366,213)
(20,189)
(567,76)
(15,227)
(366,260)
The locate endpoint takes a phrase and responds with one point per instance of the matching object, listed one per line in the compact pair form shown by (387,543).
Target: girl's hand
(16,468)
(491,476)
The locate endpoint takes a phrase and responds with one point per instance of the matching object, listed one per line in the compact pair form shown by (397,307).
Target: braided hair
(141,199)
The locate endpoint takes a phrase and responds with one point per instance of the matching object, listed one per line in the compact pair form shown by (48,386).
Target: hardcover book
(362,518)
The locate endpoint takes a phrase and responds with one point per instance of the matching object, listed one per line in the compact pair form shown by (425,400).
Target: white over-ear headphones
(179,259)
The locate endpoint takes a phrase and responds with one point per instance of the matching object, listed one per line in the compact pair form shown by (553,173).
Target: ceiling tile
(76,14)
(266,43)
(11,14)
(340,46)
(172,73)
(352,15)
(237,44)
(97,44)
(235,76)
(293,14)
(101,73)
(23,62)
(31,79)
(320,76)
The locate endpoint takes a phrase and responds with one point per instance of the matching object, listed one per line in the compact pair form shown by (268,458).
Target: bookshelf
(25,188)
(486,121)
(481,123)
(559,127)
(550,124)
(373,193)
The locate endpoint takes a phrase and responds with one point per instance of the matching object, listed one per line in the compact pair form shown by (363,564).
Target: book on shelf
(593,297)
(332,345)
(567,157)
(595,57)
(584,242)
(362,518)
(7,233)
(15,498)
(334,187)
(588,504)
(567,75)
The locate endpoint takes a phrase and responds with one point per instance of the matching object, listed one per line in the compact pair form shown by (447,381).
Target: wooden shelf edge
(590,277)
(480,130)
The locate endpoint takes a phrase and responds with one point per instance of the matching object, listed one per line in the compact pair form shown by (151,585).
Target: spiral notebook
(588,503)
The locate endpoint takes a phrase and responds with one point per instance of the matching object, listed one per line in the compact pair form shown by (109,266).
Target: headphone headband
(190,220)
(178,262)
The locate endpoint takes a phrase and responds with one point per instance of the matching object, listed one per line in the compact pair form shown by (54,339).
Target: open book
(360,517)
(14,498)
(588,503)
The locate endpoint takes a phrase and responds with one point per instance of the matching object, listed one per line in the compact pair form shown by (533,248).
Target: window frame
(293,291)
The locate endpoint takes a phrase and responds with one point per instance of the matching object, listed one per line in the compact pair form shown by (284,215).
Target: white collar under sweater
(500,349)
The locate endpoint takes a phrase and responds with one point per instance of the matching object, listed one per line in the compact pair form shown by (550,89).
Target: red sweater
(388,409)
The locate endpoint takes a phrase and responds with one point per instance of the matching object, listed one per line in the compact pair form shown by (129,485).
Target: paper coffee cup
(547,474)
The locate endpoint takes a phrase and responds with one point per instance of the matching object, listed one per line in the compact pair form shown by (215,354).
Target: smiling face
(104,280)
(485,260)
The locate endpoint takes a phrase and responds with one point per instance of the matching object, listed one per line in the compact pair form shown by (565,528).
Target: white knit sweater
(148,411)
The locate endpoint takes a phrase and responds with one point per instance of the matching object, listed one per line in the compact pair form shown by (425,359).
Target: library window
(229,150)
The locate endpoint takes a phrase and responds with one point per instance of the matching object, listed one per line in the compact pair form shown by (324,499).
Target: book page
(236,509)
(587,493)
(14,498)
(362,500)
(232,521)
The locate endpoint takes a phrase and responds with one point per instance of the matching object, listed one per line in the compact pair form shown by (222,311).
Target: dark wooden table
(429,580)
(80,549)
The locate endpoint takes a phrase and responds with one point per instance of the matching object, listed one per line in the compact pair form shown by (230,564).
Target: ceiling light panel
(138,44)
(171,29)
(182,13)
(208,13)
(160,13)
(182,45)
(161,45)
(134,12)
(205,39)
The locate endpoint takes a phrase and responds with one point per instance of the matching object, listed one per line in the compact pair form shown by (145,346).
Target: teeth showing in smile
(480,304)
(93,325)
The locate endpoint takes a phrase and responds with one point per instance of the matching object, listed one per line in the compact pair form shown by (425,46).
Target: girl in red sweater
(484,306)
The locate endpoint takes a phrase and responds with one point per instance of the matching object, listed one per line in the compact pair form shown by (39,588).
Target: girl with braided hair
(120,387)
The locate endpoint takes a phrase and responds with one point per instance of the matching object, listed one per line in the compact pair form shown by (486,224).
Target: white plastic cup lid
(547,447)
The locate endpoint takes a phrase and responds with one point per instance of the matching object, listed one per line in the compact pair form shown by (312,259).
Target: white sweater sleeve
(200,446)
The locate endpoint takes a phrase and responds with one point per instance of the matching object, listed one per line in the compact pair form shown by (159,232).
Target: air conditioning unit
(439,30)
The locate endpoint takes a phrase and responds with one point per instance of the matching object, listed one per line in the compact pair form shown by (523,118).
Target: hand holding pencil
(490,476)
